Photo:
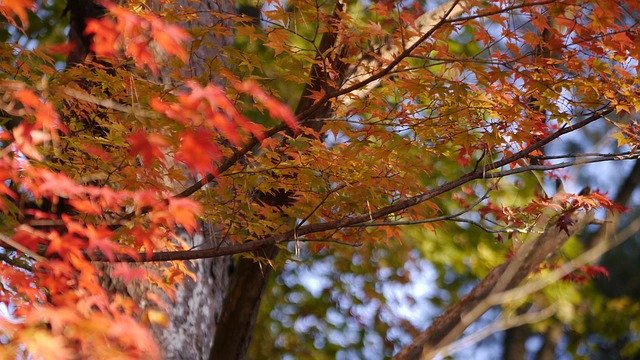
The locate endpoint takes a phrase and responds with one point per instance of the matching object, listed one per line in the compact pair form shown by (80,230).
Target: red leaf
(127,273)
(595,270)
(44,113)
(170,38)
(564,222)
(105,36)
(276,109)
(86,206)
(198,151)
(148,147)
(100,239)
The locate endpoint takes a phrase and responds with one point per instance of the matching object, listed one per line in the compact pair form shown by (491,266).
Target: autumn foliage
(61,308)
(121,157)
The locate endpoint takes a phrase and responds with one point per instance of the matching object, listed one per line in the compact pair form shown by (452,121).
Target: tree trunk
(551,339)
(514,343)
(198,304)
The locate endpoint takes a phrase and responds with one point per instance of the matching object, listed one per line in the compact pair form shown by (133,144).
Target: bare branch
(16,262)
(498,325)
(622,155)
(615,157)
(16,245)
(451,217)
(506,276)
(498,296)
(110,104)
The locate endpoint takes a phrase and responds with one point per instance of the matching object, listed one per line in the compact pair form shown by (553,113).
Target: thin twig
(384,211)
(110,104)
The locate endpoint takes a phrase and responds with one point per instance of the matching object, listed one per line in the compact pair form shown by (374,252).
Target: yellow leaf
(157,317)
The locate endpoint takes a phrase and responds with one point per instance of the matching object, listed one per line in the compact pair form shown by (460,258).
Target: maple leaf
(276,109)
(149,147)
(602,200)
(464,156)
(127,272)
(9,8)
(184,211)
(198,151)
(277,41)
(564,222)
(316,95)
(86,206)
(142,55)
(595,270)
(64,245)
(170,38)
(144,237)
(586,272)
(130,32)
(104,245)
(43,112)
(47,183)
(100,239)
(105,36)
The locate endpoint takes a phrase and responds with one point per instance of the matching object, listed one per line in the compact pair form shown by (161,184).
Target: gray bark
(199,303)
(197,308)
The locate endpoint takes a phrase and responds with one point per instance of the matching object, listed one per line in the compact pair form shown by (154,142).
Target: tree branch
(439,334)
(304,115)
(499,174)
(502,278)
(428,24)
(17,262)
(401,205)
(499,325)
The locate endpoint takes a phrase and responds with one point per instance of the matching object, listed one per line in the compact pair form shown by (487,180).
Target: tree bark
(250,277)
(198,304)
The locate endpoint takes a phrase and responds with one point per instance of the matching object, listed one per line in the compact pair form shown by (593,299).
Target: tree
(319,126)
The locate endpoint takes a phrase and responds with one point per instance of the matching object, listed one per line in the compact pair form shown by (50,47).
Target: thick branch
(504,277)
(604,243)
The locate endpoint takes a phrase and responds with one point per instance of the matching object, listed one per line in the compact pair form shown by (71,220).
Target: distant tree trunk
(514,341)
(551,339)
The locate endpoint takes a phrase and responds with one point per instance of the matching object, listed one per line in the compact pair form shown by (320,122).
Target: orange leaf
(184,211)
(9,8)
